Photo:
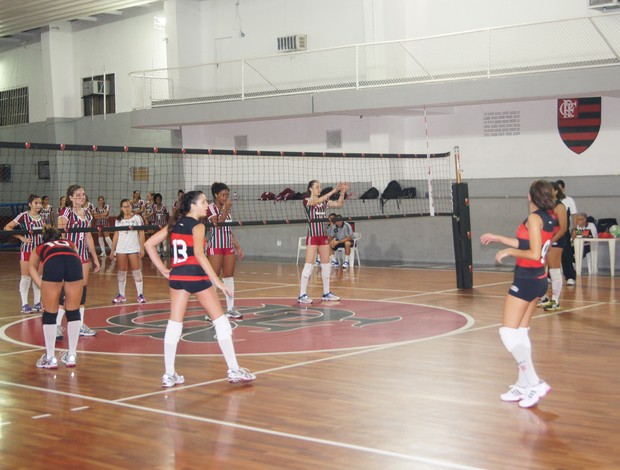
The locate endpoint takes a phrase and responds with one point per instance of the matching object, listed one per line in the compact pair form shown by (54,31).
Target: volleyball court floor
(404,372)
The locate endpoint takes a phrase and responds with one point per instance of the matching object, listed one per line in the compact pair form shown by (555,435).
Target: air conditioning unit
(297,42)
(95,87)
(603,4)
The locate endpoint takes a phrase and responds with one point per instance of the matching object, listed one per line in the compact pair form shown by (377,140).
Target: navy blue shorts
(528,288)
(190,286)
(63,268)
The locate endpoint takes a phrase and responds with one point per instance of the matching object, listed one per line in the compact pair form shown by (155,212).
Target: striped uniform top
(25,221)
(185,266)
(220,237)
(103,222)
(149,215)
(136,206)
(56,248)
(535,268)
(160,215)
(46,214)
(78,238)
(316,229)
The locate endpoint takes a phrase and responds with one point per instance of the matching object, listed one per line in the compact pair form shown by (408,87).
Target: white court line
(80,408)
(299,437)
(46,415)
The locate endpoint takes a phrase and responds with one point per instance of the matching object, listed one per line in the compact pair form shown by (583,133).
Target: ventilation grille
(297,42)
(603,4)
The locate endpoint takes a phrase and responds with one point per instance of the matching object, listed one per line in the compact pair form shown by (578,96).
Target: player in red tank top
(530,247)
(191,273)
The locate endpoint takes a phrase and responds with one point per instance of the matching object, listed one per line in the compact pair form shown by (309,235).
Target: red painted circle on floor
(274,325)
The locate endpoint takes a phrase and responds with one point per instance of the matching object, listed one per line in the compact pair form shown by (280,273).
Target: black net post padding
(461,234)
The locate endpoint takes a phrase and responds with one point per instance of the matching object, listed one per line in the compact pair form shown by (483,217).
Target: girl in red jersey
(191,273)
(223,247)
(530,248)
(137,204)
(62,270)
(29,220)
(317,241)
(47,211)
(75,215)
(101,214)
(61,206)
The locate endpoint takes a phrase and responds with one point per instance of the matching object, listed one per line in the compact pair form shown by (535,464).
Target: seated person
(584,229)
(340,235)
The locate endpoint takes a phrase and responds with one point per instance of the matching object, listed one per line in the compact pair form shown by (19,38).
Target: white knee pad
(307,271)
(510,337)
(137,275)
(223,330)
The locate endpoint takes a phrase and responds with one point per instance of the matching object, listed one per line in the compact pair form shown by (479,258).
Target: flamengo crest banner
(579,120)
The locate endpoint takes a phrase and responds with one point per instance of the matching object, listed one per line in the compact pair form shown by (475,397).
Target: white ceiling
(17,16)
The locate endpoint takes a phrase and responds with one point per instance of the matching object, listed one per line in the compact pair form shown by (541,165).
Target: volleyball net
(266,187)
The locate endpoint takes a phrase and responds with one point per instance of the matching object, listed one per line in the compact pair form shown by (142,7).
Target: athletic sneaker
(234,314)
(329,297)
(552,306)
(318,262)
(86,331)
(172,380)
(570,282)
(45,363)
(534,394)
(345,265)
(119,299)
(59,333)
(68,359)
(335,264)
(543,302)
(27,309)
(515,393)
(141,299)
(38,307)
(240,375)
(304,299)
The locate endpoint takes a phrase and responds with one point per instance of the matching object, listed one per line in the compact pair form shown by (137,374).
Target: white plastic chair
(301,245)
(355,255)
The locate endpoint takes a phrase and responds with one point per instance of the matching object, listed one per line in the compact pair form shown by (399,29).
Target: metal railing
(532,48)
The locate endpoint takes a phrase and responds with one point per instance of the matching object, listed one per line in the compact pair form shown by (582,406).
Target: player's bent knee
(223,330)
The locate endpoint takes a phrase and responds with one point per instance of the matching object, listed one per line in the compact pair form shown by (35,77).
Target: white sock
(36,290)
(122,282)
(102,246)
(350,259)
(73,334)
(108,240)
(556,283)
(305,277)
(171,339)
(230,299)
(326,273)
(137,278)
(516,345)
(49,333)
(61,313)
(223,331)
(332,257)
(525,339)
(82,312)
(24,287)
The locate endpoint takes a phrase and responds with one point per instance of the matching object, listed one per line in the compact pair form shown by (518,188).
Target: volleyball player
(47,211)
(149,217)
(554,259)
(29,220)
(530,248)
(75,215)
(62,270)
(161,214)
(177,203)
(317,240)
(101,214)
(128,248)
(61,207)
(137,204)
(192,273)
(223,247)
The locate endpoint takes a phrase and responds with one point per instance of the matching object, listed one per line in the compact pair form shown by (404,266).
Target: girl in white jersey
(317,241)
(29,220)
(128,247)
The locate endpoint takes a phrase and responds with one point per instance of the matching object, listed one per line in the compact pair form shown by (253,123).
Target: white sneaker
(570,282)
(329,297)
(172,380)
(45,363)
(86,331)
(345,265)
(304,299)
(515,393)
(534,394)
(240,375)
(59,333)
(335,264)
(68,359)
(234,314)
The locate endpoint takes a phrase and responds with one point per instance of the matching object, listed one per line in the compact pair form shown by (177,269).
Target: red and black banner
(579,120)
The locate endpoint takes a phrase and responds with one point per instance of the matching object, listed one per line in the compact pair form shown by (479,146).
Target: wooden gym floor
(405,372)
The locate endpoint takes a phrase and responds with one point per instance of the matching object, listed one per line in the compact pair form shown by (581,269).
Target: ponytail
(183,208)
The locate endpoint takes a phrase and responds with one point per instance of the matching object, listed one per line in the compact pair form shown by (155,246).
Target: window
(98,92)
(14,107)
